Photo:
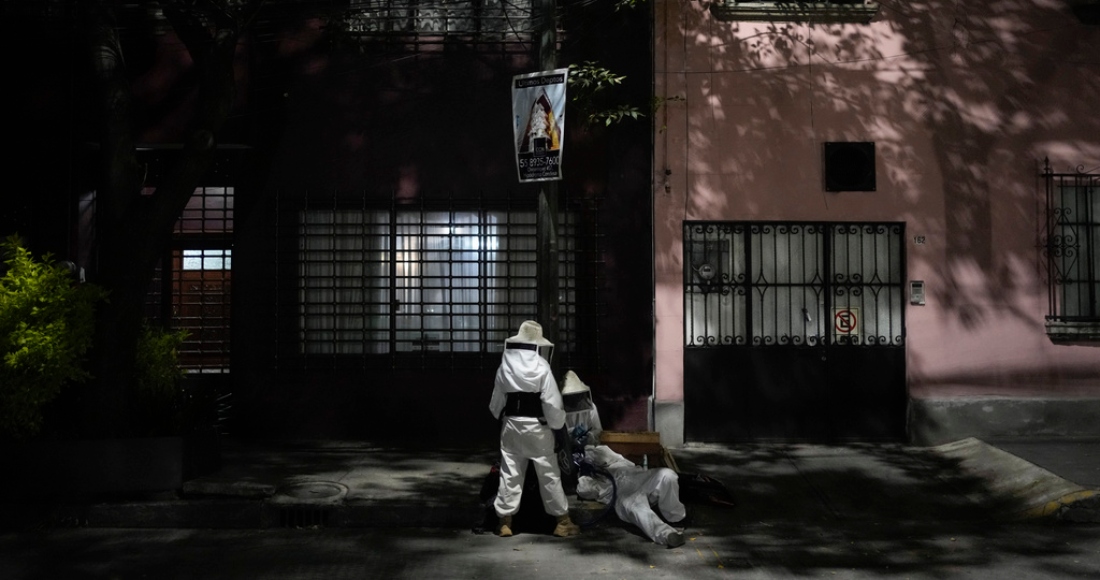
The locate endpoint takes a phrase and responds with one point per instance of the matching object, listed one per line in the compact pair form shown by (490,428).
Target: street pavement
(353,510)
(759,551)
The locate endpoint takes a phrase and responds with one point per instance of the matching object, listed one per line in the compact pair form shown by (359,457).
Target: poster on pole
(538,118)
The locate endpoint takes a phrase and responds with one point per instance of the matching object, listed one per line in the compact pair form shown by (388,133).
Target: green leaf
(46,326)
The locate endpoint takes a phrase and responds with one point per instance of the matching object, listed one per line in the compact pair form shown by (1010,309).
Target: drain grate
(307,503)
(303,517)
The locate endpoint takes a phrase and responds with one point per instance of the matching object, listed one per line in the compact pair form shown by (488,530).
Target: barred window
(192,286)
(1073,255)
(482,18)
(856,11)
(385,282)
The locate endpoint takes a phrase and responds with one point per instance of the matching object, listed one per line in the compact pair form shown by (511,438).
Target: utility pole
(547,282)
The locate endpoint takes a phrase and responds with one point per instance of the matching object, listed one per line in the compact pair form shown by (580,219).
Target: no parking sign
(846,321)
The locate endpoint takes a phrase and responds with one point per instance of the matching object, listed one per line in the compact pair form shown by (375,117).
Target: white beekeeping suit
(636,491)
(580,411)
(526,399)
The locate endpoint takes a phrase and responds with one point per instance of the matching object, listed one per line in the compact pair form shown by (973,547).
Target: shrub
(159,404)
(46,326)
(157,368)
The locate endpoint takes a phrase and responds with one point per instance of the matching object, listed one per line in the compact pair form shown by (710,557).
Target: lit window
(418,281)
(207,260)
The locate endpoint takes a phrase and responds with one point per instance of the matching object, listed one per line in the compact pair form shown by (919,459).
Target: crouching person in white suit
(580,411)
(637,491)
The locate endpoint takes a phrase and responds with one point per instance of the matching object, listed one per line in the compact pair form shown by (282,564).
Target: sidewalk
(355,484)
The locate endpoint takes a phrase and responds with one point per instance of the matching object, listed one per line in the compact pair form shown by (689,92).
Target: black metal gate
(794,331)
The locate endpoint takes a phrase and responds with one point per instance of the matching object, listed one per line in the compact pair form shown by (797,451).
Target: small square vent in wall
(850,166)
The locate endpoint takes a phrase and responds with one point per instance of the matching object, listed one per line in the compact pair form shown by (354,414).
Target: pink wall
(963,104)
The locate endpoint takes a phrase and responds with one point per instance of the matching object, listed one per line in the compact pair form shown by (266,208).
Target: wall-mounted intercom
(916,292)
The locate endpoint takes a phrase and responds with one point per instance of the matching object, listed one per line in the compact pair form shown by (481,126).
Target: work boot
(675,540)
(504,530)
(566,527)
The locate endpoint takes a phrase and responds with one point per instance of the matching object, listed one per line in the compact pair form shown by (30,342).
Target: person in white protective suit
(635,491)
(581,415)
(527,400)
(635,488)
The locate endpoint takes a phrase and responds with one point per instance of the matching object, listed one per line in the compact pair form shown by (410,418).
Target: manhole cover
(307,492)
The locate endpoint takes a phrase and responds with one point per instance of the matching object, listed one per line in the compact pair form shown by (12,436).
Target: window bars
(470,20)
(422,285)
(194,293)
(1072,245)
(835,11)
(792,284)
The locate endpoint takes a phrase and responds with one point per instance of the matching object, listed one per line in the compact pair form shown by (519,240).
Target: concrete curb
(1044,494)
(1079,506)
(942,420)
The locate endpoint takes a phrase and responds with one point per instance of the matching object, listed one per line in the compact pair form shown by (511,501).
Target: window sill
(731,10)
(1076,332)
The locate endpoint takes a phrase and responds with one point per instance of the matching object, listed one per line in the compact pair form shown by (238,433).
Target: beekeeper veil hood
(576,394)
(573,385)
(530,337)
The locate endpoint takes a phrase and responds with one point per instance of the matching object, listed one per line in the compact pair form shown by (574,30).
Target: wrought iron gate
(793,331)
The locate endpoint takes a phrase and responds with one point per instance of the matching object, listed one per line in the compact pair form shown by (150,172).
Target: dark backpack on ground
(699,488)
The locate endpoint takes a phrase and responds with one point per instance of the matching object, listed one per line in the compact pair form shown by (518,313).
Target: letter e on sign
(846,321)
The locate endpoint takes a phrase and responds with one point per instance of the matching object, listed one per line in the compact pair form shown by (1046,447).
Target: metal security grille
(860,11)
(425,286)
(1073,245)
(194,294)
(779,284)
(480,20)
(201,290)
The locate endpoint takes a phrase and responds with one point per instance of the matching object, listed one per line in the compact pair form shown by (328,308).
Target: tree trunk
(133,230)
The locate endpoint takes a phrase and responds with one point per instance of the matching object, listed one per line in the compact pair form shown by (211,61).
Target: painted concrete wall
(963,100)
